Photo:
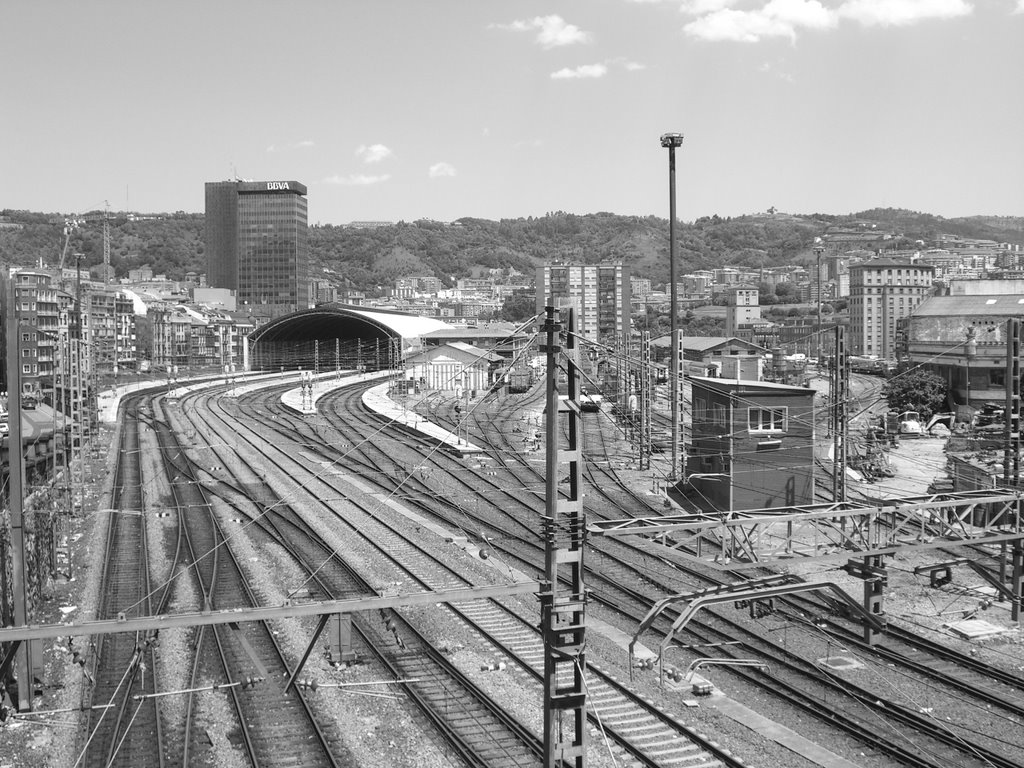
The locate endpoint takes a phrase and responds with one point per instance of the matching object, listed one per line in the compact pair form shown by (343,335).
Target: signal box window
(767,419)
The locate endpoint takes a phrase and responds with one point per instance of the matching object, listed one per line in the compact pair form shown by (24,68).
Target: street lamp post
(671,141)
(970,351)
(818,249)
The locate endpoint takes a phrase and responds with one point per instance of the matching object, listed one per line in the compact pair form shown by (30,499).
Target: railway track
(247,661)
(507,533)
(643,730)
(121,730)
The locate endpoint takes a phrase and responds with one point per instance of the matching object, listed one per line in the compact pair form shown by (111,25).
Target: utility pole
(106,242)
(1011,441)
(77,398)
(840,395)
(563,596)
(818,250)
(645,380)
(1011,455)
(16,497)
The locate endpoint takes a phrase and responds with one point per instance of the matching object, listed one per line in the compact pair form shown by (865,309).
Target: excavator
(910,424)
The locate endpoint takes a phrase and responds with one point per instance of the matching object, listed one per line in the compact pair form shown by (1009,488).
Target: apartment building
(600,293)
(883,291)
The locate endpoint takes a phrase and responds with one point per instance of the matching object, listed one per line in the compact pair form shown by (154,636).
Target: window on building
(767,419)
(700,409)
(718,415)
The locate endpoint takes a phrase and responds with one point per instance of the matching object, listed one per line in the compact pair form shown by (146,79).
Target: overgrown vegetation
(916,390)
(370,259)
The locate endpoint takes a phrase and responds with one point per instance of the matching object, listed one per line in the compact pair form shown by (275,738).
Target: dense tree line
(370,259)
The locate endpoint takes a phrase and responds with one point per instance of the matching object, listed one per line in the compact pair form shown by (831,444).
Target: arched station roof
(345,321)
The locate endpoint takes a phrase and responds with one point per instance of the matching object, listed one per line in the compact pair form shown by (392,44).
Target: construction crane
(106,242)
(71,224)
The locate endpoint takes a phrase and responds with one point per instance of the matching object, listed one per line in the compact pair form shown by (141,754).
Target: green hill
(364,259)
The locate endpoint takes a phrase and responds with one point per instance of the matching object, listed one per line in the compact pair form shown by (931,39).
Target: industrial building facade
(257,243)
(600,294)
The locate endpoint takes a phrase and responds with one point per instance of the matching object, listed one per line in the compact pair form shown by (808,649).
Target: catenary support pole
(563,596)
(16,498)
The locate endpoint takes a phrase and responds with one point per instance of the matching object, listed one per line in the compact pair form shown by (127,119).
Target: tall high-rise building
(599,292)
(881,292)
(257,244)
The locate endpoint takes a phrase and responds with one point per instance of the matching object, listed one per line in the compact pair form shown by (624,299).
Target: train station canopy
(344,335)
(345,321)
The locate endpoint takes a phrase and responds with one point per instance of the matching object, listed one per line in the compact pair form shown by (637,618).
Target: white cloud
(893,13)
(373,153)
(581,72)
(636,66)
(297,145)
(1020,7)
(698,7)
(770,69)
(437,170)
(801,13)
(738,26)
(776,18)
(356,179)
(721,20)
(552,31)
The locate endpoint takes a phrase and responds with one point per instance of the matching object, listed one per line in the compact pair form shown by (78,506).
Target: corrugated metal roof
(704,343)
(887,263)
(1004,305)
(734,385)
(467,332)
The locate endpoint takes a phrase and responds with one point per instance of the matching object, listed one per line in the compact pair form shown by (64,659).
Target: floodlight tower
(671,141)
(819,248)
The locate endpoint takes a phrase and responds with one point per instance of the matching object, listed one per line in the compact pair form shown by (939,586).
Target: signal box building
(752,445)
(257,243)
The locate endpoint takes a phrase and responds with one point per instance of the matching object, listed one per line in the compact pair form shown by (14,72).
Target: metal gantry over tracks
(838,531)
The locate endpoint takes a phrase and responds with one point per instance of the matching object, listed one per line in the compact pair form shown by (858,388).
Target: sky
(406,109)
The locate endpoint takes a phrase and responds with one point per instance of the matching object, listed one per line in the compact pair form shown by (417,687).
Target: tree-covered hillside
(364,259)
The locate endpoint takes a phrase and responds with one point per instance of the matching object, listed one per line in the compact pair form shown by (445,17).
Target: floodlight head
(672,140)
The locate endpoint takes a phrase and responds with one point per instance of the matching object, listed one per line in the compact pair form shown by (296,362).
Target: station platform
(377,400)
